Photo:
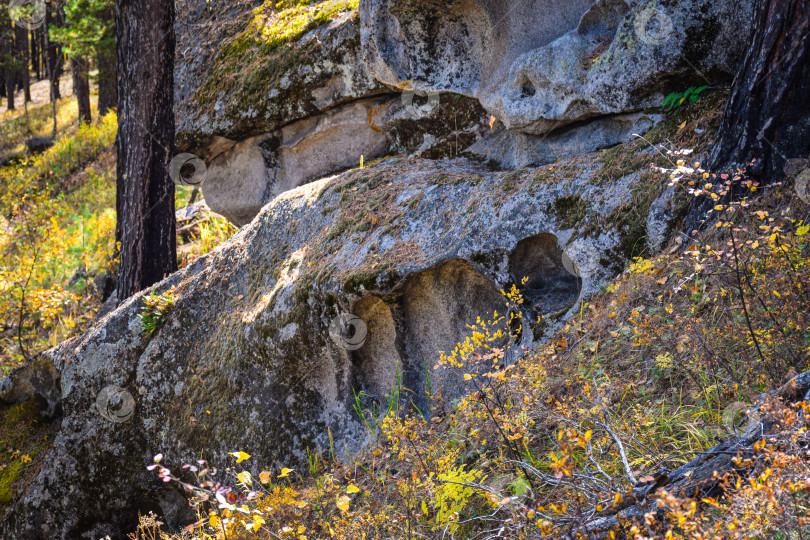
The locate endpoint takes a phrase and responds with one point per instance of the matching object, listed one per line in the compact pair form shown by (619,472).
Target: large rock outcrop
(541,66)
(560,78)
(268,116)
(255,354)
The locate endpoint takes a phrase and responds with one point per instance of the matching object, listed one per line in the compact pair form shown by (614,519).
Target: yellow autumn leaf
(353,489)
(244,477)
(240,456)
(285,472)
(214,522)
(343,503)
(265,476)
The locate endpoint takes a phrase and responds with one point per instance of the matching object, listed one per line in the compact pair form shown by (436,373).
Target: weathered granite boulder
(251,173)
(257,352)
(267,117)
(541,65)
(560,78)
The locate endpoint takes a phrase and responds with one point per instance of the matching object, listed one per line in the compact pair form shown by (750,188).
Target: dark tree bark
(24,77)
(81,88)
(107,84)
(35,65)
(107,72)
(767,117)
(146,226)
(10,73)
(54,57)
(6,53)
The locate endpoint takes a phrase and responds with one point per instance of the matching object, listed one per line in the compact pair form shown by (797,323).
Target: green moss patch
(24,435)
(569,211)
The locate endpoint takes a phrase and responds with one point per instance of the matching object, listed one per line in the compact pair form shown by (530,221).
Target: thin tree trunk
(107,72)
(146,227)
(767,117)
(21,36)
(49,66)
(35,54)
(7,42)
(11,86)
(54,16)
(107,85)
(81,88)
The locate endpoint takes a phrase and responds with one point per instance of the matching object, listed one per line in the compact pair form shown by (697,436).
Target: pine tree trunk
(35,53)
(8,71)
(767,117)
(146,226)
(107,72)
(11,80)
(21,36)
(81,88)
(55,59)
(107,85)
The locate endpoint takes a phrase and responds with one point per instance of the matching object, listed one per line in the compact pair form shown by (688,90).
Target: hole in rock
(550,288)
(439,304)
(377,359)
(527,89)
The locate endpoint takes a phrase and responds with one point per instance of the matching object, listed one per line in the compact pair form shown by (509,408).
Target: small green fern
(674,101)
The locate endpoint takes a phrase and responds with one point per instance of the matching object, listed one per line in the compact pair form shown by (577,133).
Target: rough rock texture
(560,78)
(250,357)
(38,377)
(514,149)
(251,173)
(231,84)
(539,65)
(269,118)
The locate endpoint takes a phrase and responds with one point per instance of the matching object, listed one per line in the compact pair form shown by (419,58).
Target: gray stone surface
(249,357)
(514,149)
(266,121)
(561,78)
(538,65)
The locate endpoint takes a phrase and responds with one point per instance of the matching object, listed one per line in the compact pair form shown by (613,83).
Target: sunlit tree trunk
(34,40)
